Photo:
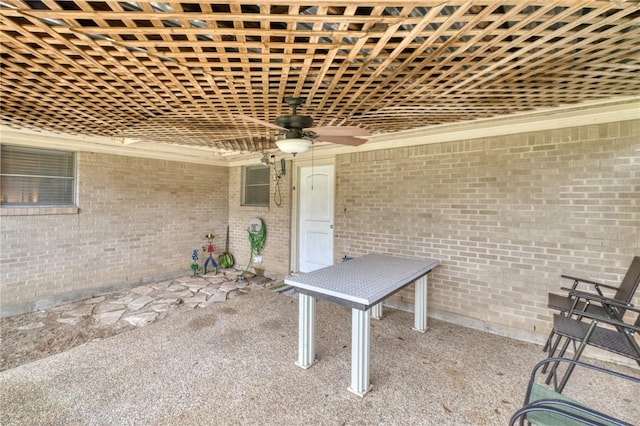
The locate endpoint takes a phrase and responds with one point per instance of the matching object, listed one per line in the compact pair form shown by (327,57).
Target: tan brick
(540,204)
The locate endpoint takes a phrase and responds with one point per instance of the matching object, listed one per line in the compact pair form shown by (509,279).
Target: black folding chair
(546,406)
(603,332)
(577,300)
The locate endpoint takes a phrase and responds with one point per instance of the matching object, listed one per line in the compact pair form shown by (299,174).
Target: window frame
(245,185)
(35,205)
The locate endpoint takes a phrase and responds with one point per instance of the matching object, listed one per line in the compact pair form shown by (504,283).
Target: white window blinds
(34,176)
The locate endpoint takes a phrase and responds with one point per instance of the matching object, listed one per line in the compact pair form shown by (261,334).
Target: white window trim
(243,202)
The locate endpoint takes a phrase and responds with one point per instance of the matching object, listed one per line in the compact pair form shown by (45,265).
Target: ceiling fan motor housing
(294,121)
(295,134)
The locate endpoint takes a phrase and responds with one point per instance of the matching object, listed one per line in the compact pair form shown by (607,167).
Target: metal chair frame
(564,410)
(578,301)
(618,338)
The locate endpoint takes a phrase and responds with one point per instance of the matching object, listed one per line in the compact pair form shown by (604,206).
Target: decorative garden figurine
(195,266)
(210,249)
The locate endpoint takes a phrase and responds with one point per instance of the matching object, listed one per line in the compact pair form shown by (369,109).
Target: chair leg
(552,351)
(563,350)
(548,342)
(579,351)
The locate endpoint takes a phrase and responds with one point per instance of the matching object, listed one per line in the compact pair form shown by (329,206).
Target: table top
(363,281)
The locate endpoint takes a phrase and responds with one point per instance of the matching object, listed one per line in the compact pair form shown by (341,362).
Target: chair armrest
(551,404)
(597,298)
(594,283)
(565,409)
(611,321)
(544,362)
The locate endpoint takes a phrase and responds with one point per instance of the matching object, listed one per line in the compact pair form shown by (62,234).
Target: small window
(255,185)
(37,177)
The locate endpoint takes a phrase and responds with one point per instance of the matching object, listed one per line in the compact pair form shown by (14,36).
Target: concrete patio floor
(233,363)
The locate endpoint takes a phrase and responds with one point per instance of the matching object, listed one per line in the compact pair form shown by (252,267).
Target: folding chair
(545,405)
(617,336)
(576,300)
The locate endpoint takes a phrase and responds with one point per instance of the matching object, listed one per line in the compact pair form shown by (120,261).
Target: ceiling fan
(298,133)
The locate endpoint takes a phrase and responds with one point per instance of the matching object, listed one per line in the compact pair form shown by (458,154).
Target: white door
(315,218)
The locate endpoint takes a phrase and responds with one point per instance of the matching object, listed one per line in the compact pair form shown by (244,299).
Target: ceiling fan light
(293,146)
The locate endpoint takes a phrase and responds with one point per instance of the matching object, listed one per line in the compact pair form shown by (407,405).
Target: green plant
(256,242)
(195,266)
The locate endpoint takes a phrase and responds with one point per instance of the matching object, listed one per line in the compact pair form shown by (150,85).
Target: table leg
(376,311)
(420,310)
(360,352)
(306,331)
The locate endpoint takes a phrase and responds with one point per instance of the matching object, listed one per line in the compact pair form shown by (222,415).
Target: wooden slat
(183,72)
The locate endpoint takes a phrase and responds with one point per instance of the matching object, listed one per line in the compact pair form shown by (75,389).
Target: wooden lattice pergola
(184,72)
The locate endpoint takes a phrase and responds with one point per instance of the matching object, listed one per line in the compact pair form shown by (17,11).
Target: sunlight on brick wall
(505,215)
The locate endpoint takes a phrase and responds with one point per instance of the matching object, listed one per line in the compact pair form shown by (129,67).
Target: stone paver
(143,290)
(109,306)
(209,290)
(110,317)
(142,319)
(139,303)
(194,301)
(82,311)
(160,307)
(183,294)
(228,286)
(218,296)
(176,287)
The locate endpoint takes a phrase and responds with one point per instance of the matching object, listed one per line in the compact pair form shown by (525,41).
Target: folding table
(361,284)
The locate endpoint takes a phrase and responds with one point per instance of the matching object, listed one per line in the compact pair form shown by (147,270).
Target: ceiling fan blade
(262,123)
(339,131)
(342,140)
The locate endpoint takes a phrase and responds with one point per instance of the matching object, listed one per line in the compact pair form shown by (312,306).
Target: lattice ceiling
(182,72)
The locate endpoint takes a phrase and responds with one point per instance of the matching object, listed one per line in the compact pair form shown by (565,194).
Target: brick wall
(505,215)
(277,219)
(138,219)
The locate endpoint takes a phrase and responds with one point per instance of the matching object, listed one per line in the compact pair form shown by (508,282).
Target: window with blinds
(37,177)
(255,187)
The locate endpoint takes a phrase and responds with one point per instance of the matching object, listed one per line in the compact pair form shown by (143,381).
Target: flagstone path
(34,335)
(147,303)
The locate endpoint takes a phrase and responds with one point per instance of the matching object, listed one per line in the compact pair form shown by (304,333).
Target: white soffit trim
(544,119)
(114,146)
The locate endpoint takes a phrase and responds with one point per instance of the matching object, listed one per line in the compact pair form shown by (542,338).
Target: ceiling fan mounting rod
(294,103)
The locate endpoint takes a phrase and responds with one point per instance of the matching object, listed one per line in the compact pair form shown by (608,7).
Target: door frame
(295,205)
